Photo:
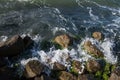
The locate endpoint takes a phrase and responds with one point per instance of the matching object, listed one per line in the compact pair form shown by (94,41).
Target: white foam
(25,61)
(55,29)
(107,46)
(3,38)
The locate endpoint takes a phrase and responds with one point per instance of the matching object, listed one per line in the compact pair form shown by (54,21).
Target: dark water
(48,18)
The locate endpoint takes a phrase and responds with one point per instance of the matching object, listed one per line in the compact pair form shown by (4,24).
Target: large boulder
(115,75)
(93,66)
(12,47)
(97,35)
(27,41)
(33,68)
(66,76)
(92,49)
(58,67)
(62,40)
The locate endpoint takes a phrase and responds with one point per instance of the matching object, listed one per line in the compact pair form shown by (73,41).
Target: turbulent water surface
(44,19)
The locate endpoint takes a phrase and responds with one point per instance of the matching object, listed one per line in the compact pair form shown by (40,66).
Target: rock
(33,68)
(92,49)
(58,67)
(62,40)
(66,76)
(7,73)
(97,35)
(12,47)
(3,62)
(86,77)
(93,66)
(27,41)
(77,67)
(43,77)
(115,75)
(45,45)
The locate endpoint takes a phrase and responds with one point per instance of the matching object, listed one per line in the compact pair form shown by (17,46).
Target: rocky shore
(96,68)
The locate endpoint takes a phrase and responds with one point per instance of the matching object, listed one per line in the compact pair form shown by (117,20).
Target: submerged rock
(12,47)
(92,49)
(62,40)
(115,75)
(58,67)
(97,35)
(93,66)
(33,68)
(66,76)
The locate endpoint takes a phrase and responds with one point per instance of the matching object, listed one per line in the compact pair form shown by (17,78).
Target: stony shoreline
(93,69)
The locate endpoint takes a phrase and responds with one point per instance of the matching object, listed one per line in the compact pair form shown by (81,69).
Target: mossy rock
(93,66)
(106,70)
(76,67)
(57,46)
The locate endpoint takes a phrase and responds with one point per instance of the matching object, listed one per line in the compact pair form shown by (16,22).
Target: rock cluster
(96,68)
(11,48)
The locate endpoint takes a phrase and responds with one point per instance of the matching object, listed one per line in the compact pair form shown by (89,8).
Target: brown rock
(66,76)
(62,40)
(12,47)
(27,41)
(86,77)
(76,66)
(92,49)
(115,74)
(93,66)
(33,68)
(58,67)
(97,35)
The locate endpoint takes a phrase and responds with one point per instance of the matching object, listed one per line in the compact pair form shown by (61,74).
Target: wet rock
(86,77)
(58,67)
(45,45)
(93,66)
(62,40)
(97,35)
(43,77)
(92,49)
(33,68)
(66,76)
(12,47)
(27,41)
(115,75)
(77,67)
(7,73)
